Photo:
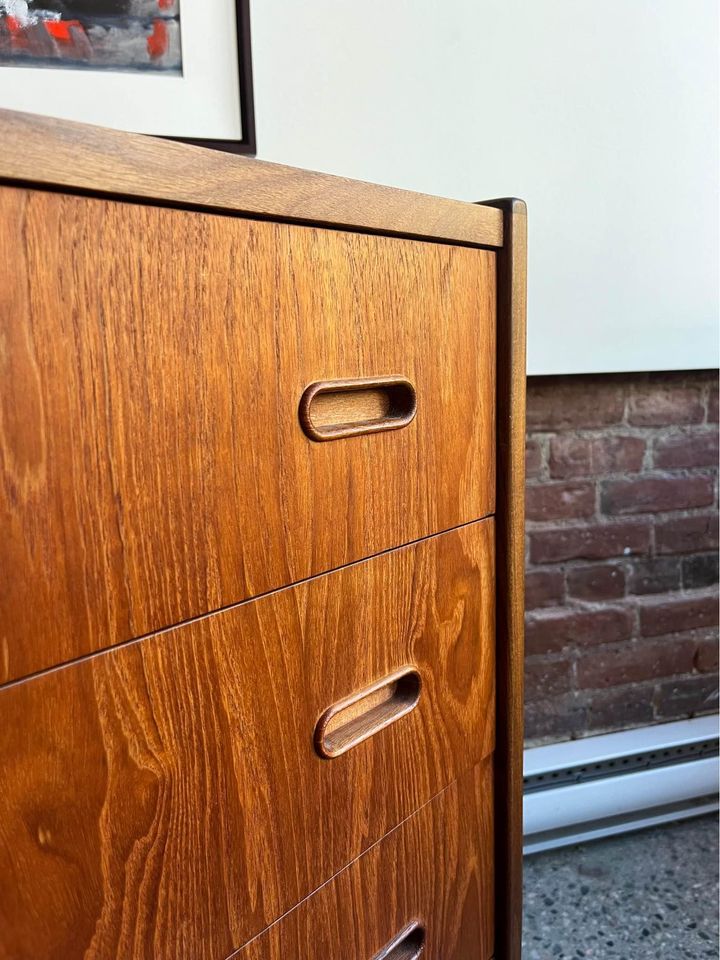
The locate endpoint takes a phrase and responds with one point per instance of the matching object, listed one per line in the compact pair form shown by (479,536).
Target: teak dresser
(261,482)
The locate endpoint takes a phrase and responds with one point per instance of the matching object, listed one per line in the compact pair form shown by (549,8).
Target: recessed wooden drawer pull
(350,721)
(331,409)
(407,945)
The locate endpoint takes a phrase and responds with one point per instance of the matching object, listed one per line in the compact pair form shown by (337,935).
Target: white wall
(602,116)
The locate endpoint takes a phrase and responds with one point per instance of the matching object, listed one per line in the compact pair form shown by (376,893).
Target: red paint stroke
(157,42)
(60,29)
(18,33)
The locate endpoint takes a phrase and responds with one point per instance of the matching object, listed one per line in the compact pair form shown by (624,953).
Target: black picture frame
(247,145)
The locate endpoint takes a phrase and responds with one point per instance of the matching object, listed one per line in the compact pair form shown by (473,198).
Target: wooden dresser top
(59,154)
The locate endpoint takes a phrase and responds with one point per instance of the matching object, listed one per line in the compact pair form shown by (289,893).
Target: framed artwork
(172,68)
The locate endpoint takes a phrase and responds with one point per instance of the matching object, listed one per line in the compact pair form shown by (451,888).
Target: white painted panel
(583,803)
(603,117)
(640,821)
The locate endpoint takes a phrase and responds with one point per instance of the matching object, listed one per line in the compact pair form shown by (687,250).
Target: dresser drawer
(161,454)
(174,796)
(428,885)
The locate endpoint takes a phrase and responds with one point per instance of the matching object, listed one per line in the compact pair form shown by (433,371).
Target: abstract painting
(126,35)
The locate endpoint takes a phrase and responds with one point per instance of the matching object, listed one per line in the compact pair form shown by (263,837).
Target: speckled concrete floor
(651,895)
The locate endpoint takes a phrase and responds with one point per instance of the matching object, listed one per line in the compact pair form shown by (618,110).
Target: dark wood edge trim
(394,422)
(49,153)
(402,708)
(510,575)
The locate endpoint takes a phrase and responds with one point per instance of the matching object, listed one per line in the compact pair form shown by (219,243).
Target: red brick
(549,631)
(655,494)
(712,414)
(687,534)
(583,457)
(706,655)
(543,588)
(700,571)
(620,707)
(533,459)
(657,575)
(687,450)
(555,719)
(664,404)
(634,662)
(604,581)
(652,552)
(546,678)
(559,501)
(556,403)
(686,697)
(592,542)
(677,614)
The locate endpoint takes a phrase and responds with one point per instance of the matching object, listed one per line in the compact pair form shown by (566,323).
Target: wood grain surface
(367,711)
(152,463)
(334,409)
(436,868)
(165,799)
(76,156)
(511,380)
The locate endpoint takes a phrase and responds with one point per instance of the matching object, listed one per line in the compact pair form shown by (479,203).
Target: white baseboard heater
(586,789)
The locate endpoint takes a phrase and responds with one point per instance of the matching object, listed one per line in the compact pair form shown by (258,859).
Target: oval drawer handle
(350,721)
(331,409)
(407,945)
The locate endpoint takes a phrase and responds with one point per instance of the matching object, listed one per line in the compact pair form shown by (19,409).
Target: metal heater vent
(649,760)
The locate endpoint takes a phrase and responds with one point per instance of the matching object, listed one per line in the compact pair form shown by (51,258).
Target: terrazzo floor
(651,895)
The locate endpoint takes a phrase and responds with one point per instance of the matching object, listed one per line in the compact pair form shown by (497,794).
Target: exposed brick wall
(622,564)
